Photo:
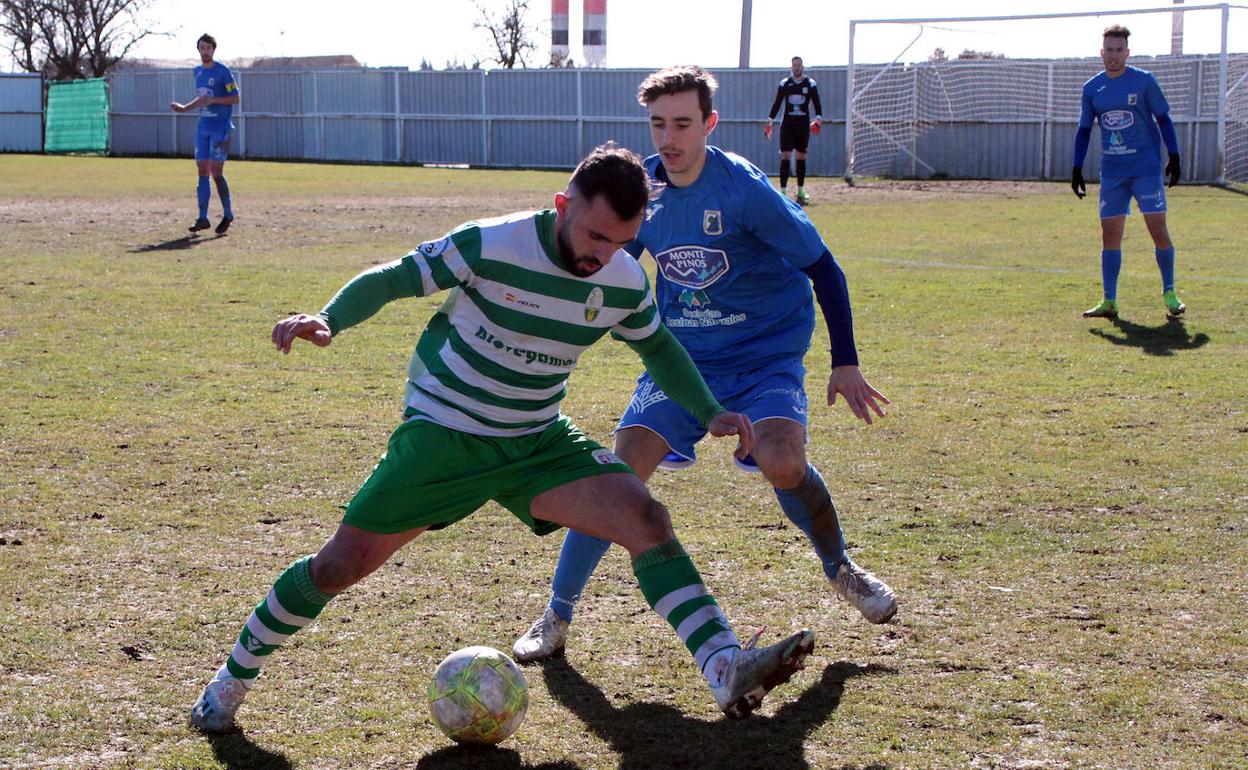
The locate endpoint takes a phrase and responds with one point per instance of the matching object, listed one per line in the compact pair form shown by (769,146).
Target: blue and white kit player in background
(215,97)
(1135,120)
(735,260)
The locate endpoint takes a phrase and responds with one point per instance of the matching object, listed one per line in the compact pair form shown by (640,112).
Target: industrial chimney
(559,29)
(595,35)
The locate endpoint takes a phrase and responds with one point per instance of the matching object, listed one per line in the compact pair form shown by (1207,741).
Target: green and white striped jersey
(495,358)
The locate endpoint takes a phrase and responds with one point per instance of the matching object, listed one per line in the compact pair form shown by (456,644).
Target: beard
(581,267)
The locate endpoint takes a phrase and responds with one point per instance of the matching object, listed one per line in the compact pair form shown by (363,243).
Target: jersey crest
(693,267)
(713,222)
(593,304)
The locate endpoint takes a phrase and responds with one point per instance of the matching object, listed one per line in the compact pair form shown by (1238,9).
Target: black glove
(1173,169)
(1076,182)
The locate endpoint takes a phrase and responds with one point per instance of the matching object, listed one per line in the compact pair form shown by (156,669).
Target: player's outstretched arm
(312,328)
(859,395)
(734,424)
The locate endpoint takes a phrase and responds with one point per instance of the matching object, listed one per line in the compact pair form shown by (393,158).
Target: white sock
(716,668)
(224,673)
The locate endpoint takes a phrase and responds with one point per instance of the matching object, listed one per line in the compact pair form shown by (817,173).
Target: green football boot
(1108,308)
(1174,308)
(803,197)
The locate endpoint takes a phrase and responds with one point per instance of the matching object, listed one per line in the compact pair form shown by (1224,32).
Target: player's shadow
(1162,340)
(649,735)
(484,758)
(177,244)
(236,751)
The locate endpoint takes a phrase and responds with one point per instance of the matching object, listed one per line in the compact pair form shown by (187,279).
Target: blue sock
(810,508)
(223,190)
(1165,262)
(580,555)
(203,192)
(1111,265)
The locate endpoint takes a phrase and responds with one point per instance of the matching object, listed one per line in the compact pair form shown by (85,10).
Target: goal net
(999,97)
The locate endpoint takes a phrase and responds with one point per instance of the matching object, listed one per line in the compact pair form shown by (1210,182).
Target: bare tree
(20,32)
(939,56)
(511,37)
(969,54)
(69,39)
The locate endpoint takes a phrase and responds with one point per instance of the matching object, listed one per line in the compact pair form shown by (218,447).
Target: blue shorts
(1117,191)
(773,392)
(213,142)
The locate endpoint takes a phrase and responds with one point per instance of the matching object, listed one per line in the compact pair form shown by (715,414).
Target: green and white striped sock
(674,589)
(292,603)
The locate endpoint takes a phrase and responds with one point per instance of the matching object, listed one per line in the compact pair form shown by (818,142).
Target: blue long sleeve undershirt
(832,293)
(1167,134)
(1082,138)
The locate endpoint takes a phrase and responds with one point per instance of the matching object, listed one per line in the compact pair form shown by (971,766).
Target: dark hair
(798,58)
(1117,31)
(617,174)
(675,80)
(206,38)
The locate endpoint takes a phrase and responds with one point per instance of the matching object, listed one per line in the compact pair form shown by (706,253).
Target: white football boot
(869,595)
(544,639)
(217,704)
(754,672)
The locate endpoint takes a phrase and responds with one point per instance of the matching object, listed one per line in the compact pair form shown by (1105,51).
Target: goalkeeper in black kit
(799,96)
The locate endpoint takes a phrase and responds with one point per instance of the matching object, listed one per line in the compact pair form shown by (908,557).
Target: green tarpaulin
(77,117)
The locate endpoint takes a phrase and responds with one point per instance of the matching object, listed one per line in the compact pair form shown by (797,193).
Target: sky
(654,33)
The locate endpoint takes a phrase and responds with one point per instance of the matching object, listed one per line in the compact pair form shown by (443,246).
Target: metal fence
(21,113)
(502,118)
(1016,118)
(551,118)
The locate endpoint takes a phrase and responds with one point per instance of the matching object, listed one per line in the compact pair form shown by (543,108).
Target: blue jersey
(217,81)
(1126,108)
(729,250)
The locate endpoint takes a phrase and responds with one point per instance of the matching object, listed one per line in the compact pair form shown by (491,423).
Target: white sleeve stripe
(458,266)
(637,334)
(427,286)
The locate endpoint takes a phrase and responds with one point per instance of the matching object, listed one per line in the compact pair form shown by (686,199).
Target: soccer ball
(478,695)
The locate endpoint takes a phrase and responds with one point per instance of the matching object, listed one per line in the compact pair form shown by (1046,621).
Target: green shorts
(432,476)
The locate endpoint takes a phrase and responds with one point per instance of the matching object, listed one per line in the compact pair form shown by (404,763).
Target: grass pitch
(1061,504)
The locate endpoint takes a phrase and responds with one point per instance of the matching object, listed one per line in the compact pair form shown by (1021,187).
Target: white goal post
(966,110)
